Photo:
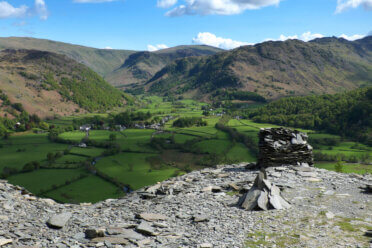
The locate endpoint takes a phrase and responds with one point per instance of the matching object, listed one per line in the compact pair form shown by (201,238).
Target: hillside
(102,61)
(118,67)
(141,66)
(47,84)
(347,114)
(271,69)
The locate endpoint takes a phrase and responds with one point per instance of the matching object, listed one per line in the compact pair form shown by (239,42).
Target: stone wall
(282,146)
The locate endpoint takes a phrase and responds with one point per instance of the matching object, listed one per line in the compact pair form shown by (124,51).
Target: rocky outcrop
(328,209)
(282,146)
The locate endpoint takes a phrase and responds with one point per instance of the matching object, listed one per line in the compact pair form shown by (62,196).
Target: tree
(112,137)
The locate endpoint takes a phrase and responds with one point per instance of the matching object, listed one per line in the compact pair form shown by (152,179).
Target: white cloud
(108,48)
(282,37)
(41,9)
(9,11)
(305,37)
(343,5)
(352,37)
(219,7)
(166,3)
(93,1)
(210,39)
(152,48)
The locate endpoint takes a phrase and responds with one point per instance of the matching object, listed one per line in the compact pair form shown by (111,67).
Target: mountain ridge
(109,63)
(273,69)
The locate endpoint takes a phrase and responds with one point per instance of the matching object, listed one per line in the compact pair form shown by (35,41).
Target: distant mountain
(48,83)
(139,67)
(271,69)
(118,67)
(102,61)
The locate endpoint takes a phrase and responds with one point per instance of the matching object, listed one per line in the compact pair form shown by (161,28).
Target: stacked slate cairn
(282,146)
(277,147)
(263,195)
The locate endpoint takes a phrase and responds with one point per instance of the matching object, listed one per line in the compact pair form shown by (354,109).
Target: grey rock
(146,229)
(263,200)
(152,216)
(200,218)
(59,220)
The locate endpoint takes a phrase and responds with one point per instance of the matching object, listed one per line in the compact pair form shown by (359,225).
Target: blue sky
(146,24)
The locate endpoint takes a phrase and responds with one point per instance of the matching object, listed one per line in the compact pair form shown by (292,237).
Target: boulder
(58,221)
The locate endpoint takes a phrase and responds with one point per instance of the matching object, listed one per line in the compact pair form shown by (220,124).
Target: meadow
(91,174)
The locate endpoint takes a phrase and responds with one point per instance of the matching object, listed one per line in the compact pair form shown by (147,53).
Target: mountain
(139,67)
(46,84)
(118,67)
(271,69)
(102,61)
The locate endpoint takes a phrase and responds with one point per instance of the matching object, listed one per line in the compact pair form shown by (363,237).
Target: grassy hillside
(118,67)
(271,69)
(47,84)
(347,114)
(101,61)
(141,66)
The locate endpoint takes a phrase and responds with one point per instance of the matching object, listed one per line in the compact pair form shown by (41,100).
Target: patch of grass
(21,149)
(240,153)
(134,169)
(89,189)
(346,168)
(45,178)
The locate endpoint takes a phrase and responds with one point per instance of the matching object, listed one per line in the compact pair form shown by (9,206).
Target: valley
(70,167)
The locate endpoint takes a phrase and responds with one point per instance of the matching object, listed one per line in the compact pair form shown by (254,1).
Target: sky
(158,24)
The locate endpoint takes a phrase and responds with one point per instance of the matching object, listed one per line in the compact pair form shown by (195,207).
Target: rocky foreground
(328,209)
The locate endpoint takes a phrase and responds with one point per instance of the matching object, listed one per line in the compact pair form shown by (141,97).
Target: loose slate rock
(58,221)
(146,229)
(112,240)
(152,216)
(200,218)
(5,241)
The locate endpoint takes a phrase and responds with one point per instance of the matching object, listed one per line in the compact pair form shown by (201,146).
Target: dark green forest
(348,114)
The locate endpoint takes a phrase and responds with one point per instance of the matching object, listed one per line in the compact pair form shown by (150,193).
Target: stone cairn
(282,146)
(278,147)
(263,195)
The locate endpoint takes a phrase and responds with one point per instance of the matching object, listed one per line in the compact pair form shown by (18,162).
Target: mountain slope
(47,83)
(272,69)
(141,66)
(118,67)
(102,61)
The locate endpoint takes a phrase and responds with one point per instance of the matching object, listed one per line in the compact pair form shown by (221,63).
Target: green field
(45,178)
(134,169)
(21,149)
(89,189)
(346,168)
(138,161)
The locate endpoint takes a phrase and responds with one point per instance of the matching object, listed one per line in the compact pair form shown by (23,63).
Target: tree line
(347,114)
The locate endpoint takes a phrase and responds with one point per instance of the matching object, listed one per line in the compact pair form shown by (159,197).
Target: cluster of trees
(27,122)
(189,122)
(346,114)
(127,118)
(238,95)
